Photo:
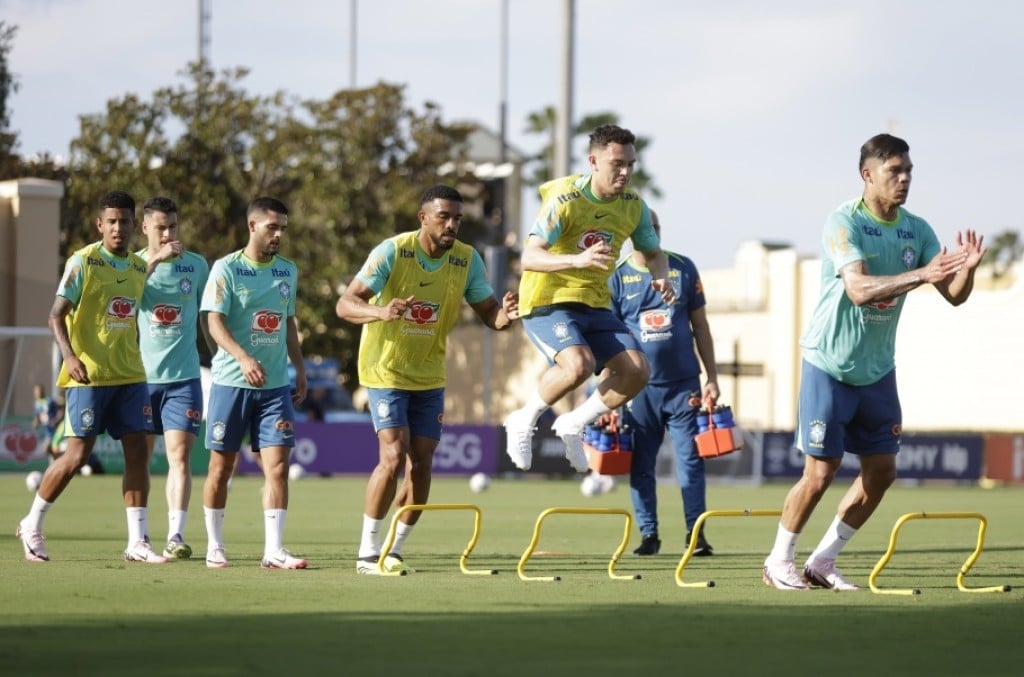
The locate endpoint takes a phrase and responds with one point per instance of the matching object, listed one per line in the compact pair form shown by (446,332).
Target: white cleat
(822,573)
(143,552)
(32,542)
(782,575)
(217,559)
(572,435)
(519,433)
(283,559)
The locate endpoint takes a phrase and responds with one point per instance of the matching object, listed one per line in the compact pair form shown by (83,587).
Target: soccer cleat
(519,443)
(782,575)
(177,548)
(394,563)
(649,545)
(32,543)
(283,559)
(368,565)
(823,574)
(143,552)
(572,435)
(703,548)
(217,559)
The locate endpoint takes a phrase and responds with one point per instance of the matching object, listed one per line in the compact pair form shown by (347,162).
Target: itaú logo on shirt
(592,237)
(655,325)
(422,312)
(166,314)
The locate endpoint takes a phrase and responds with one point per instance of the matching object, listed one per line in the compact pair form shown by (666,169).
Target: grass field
(89,613)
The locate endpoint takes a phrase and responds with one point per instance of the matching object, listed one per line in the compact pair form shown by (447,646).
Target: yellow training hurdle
(578,511)
(699,525)
(982,525)
(436,506)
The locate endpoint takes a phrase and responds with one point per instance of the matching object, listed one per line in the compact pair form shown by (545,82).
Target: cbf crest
(561,330)
(285,290)
(185,286)
(909,257)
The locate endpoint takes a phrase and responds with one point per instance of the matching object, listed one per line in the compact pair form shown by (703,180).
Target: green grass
(89,613)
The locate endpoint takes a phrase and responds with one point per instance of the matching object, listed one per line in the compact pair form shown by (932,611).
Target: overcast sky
(756,109)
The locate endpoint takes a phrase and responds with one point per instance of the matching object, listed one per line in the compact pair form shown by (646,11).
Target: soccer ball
(86,470)
(296,471)
(590,486)
(33,479)
(605,483)
(479,482)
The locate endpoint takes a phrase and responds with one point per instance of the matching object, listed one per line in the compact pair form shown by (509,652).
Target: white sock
(273,531)
(214,518)
(535,406)
(138,527)
(34,519)
(589,410)
(370,543)
(835,539)
(176,523)
(785,545)
(402,532)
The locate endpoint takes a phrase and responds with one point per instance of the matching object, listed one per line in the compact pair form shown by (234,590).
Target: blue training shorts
(554,328)
(116,410)
(267,416)
(177,406)
(835,417)
(421,410)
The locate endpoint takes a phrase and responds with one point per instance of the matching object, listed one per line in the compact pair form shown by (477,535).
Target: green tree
(8,86)
(543,122)
(351,169)
(1004,250)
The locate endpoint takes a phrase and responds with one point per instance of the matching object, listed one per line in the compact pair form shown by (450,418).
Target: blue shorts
(421,410)
(834,417)
(554,328)
(116,410)
(267,416)
(177,406)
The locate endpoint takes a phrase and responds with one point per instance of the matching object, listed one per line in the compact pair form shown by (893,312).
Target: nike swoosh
(124,280)
(601,215)
(632,296)
(424,284)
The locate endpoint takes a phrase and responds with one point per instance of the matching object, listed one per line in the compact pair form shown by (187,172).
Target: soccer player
(875,252)
(93,321)
(46,416)
(674,392)
(249,301)
(564,295)
(408,295)
(169,317)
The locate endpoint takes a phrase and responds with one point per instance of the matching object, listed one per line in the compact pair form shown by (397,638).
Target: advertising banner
(926,457)
(1004,457)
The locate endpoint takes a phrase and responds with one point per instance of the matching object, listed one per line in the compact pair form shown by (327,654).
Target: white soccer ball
(296,471)
(605,483)
(86,470)
(590,486)
(479,482)
(33,479)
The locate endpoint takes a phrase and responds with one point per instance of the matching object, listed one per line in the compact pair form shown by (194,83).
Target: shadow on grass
(727,639)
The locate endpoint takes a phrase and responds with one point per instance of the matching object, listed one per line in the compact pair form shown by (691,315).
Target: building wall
(29,273)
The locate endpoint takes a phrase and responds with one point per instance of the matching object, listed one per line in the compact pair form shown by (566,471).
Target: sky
(756,110)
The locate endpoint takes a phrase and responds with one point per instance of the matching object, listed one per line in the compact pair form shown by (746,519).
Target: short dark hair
(266,204)
(440,192)
(159,204)
(606,134)
(117,199)
(883,147)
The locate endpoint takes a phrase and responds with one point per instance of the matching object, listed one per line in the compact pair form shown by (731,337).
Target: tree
(1005,250)
(8,86)
(544,122)
(351,169)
